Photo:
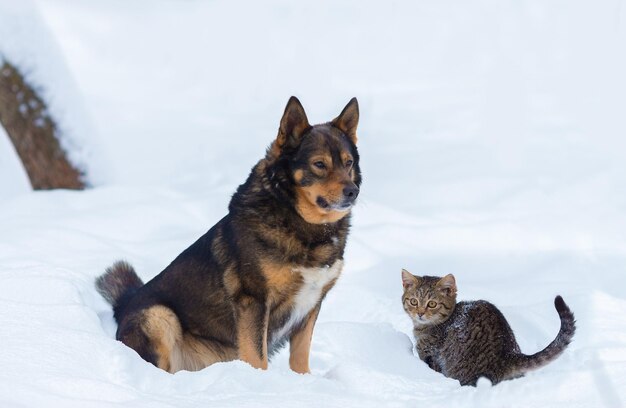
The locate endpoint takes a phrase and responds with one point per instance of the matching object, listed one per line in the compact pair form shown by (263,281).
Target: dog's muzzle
(350,194)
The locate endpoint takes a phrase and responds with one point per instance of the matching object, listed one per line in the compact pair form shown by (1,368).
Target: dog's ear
(348,119)
(293,125)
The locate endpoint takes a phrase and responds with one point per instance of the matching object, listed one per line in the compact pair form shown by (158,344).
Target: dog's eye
(432,304)
(349,163)
(319,165)
(413,302)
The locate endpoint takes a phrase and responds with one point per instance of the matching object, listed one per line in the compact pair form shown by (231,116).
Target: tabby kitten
(469,340)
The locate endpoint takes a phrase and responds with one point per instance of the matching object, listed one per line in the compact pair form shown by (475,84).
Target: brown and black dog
(257,278)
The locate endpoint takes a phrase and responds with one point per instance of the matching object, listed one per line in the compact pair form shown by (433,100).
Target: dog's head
(321,162)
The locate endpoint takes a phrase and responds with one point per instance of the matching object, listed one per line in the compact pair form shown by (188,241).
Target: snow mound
(26,42)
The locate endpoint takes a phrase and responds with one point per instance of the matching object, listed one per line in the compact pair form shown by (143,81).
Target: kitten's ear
(408,279)
(447,284)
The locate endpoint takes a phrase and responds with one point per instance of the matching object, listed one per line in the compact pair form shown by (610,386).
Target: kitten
(469,340)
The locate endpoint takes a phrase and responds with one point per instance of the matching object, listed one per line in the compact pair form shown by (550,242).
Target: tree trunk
(25,118)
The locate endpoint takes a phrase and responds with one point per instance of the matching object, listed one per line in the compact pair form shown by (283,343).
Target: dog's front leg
(300,343)
(252,320)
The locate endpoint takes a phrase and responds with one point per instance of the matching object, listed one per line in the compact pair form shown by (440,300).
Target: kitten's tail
(118,283)
(559,344)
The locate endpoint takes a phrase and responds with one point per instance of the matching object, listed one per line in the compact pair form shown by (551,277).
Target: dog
(257,278)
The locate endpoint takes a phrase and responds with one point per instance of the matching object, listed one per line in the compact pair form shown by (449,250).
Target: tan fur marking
(334,189)
(177,350)
(163,329)
(298,175)
(196,353)
(345,156)
(247,341)
(231,281)
(282,282)
(300,345)
(278,276)
(308,208)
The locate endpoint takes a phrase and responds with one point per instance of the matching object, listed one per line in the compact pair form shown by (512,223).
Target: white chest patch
(313,281)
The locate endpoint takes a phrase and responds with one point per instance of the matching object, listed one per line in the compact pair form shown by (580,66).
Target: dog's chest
(309,293)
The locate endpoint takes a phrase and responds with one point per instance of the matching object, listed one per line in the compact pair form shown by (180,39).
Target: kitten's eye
(413,302)
(432,304)
(349,163)
(320,165)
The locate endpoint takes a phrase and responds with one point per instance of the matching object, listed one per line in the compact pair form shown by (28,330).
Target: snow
(13,178)
(492,146)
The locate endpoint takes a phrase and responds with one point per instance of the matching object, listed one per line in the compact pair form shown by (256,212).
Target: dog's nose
(351,192)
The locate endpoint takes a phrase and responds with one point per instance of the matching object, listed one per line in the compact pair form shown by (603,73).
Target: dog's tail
(118,282)
(553,350)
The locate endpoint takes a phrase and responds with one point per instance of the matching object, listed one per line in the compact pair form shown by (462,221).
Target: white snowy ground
(492,144)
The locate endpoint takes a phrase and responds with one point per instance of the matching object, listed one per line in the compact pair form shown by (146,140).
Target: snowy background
(493,147)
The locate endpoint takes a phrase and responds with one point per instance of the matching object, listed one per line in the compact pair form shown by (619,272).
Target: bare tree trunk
(24,116)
